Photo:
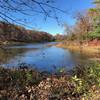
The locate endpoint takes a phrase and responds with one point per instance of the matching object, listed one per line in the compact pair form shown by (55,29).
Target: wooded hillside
(11,32)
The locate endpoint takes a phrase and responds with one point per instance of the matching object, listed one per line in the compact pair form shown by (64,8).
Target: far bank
(90,47)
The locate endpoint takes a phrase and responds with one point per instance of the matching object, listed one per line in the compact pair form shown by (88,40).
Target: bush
(95,34)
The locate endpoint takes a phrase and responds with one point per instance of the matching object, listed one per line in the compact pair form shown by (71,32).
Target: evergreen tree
(96,21)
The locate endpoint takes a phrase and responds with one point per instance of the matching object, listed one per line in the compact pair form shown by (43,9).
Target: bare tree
(83,25)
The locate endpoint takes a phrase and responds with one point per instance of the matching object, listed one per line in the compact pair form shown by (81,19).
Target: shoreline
(28,84)
(85,49)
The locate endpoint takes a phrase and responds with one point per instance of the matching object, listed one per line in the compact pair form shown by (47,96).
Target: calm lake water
(40,56)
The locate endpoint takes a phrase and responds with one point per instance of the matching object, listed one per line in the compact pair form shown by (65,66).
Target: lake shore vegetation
(29,84)
(85,34)
(15,34)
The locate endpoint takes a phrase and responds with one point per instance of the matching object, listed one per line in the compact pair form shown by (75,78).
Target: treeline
(10,32)
(87,26)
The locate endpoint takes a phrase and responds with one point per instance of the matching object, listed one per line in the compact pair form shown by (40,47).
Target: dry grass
(88,49)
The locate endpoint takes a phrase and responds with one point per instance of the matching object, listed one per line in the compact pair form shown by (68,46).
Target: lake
(41,56)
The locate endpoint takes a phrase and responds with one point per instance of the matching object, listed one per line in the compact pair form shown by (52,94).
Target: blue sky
(71,6)
(50,25)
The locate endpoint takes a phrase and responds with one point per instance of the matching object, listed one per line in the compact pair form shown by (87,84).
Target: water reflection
(40,56)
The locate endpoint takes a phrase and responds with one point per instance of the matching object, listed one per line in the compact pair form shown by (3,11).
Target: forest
(87,26)
(14,33)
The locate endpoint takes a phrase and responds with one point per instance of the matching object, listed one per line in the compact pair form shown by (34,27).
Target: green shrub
(90,73)
(95,34)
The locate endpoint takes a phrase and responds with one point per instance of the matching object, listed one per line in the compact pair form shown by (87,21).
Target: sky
(51,25)
(71,6)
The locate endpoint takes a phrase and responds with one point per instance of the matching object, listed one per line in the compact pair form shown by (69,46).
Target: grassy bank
(29,84)
(83,48)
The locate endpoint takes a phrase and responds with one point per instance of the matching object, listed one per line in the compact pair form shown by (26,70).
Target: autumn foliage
(11,32)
